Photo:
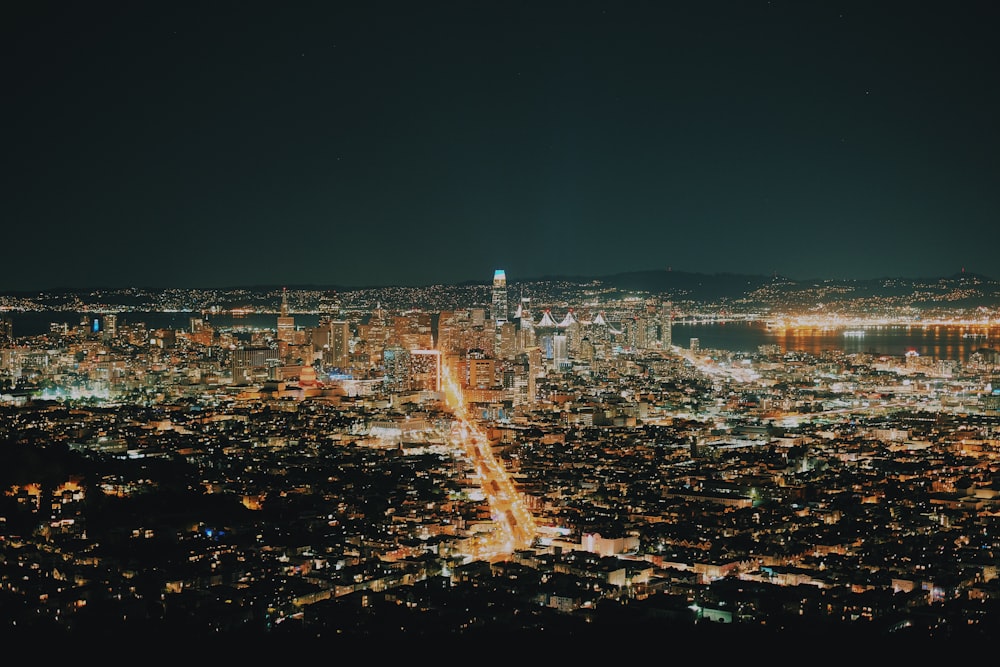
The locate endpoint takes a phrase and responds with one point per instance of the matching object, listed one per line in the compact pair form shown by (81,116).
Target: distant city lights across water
(940,341)
(937,341)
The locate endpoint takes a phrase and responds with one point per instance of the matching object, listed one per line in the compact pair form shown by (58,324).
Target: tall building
(332,340)
(525,325)
(396,366)
(535,370)
(340,344)
(666,324)
(560,353)
(506,340)
(286,323)
(499,312)
(426,369)
(111,325)
(482,372)
(6,330)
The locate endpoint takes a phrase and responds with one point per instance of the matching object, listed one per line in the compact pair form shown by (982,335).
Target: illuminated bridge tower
(499,312)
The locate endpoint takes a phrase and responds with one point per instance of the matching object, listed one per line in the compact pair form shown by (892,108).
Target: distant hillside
(965,291)
(962,290)
(696,286)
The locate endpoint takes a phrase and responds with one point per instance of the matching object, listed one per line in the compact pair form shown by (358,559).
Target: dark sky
(217,143)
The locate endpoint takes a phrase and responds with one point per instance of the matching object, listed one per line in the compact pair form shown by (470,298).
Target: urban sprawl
(510,464)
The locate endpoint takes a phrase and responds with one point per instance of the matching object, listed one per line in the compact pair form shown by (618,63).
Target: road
(515,526)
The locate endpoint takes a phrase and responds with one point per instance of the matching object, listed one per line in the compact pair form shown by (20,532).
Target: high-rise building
(525,325)
(499,312)
(506,340)
(482,372)
(340,344)
(666,325)
(286,323)
(332,340)
(396,366)
(535,370)
(6,330)
(111,325)
(426,369)
(560,355)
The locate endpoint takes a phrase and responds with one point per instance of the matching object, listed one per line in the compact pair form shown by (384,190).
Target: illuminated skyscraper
(6,331)
(499,313)
(286,323)
(332,338)
(560,356)
(482,372)
(111,325)
(535,370)
(666,324)
(506,339)
(340,344)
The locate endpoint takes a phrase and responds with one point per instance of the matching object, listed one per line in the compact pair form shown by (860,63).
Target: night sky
(216,144)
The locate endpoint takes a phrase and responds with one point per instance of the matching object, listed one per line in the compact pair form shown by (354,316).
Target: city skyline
(326,144)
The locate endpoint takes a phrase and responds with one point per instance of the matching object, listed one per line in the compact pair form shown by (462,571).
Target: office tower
(525,325)
(573,331)
(695,344)
(535,370)
(247,363)
(286,323)
(201,332)
(396,366)
(375,334)
(666,325)
(560,355)
(411,330)
(447,331)
(499,312)
(320,336)
(331,339)
(111,325)
(646,332)
(545,344)
(515,378)
(482,372)
(426,369)
(6,331)
(506,341)
(340,345)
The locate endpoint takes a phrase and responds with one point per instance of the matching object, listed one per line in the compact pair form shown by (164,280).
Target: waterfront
(952,342)
(939,342)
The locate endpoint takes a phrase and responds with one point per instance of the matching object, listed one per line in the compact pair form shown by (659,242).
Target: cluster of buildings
(309,477)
